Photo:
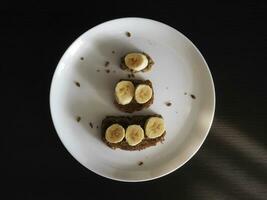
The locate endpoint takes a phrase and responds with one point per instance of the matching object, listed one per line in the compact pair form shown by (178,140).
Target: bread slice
(133,105)
(125,121)
(148,68)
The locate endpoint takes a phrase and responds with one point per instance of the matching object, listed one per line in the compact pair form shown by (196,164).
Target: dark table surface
(232,163)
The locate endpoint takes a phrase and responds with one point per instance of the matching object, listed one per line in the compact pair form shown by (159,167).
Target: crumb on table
(107,70)
(91,125)
(113,51)
(81,58)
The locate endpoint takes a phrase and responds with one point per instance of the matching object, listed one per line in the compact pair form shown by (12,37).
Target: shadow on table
(230,164)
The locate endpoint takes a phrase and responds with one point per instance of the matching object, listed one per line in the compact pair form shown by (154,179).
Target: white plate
(179,68)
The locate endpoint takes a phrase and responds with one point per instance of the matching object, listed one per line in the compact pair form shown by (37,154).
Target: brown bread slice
(133,105)
(125,121)
(148,68)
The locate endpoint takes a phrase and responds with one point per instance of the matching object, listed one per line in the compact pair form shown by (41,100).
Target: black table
(232,163)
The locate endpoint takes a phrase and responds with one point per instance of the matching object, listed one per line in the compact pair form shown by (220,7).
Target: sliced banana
(143,93)
(134,134)
(124,92)
(154,127)
(136,61)
(115,133)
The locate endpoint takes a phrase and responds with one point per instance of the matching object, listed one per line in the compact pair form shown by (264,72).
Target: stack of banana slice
(134,134)
(125,91)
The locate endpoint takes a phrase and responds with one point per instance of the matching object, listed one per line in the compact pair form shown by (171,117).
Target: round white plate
(179,71)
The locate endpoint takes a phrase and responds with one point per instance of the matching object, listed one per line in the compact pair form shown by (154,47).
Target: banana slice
(124,92)
(115,133)
(136,61)
(143,93)
(134,134)
(154,127)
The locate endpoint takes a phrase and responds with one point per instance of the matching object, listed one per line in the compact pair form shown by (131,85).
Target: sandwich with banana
(133,132)
(133,95)
(136,62)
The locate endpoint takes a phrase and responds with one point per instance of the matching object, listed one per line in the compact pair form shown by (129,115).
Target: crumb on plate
(106,63)
(78,118)
(193,96)
(168,103)
(128,34)
(77,84)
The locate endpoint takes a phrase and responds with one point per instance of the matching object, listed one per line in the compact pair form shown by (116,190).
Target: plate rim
(213,98)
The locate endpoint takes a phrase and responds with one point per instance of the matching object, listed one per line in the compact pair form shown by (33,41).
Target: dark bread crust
(148,68)
(125,121)
(133,105)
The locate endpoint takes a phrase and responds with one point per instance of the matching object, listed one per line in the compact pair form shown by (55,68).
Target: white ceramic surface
(179,68)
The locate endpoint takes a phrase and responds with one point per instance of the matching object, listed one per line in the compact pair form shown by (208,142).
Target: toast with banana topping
(133,95)
(133,132)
